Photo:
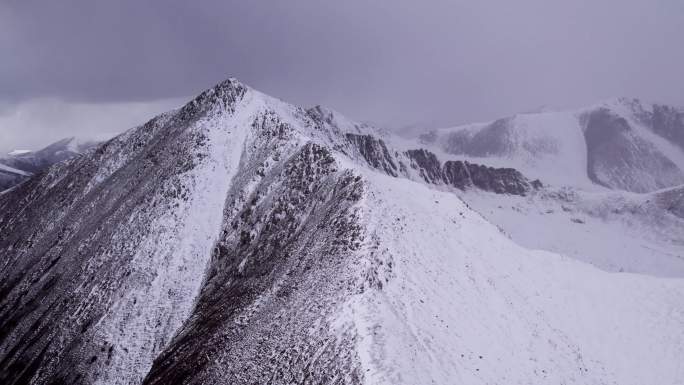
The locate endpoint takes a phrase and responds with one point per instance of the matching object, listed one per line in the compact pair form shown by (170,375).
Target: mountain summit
(240,240)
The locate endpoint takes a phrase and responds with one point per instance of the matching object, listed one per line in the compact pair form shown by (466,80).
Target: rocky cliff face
(374,152)
(457,174)
(463,175)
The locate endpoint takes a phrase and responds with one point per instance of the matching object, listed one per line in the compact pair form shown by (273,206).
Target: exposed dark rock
(262,287)
(498,180)
(456,174)
(321,115)
(374,151)
(462,175)
(428,164)
(537,184)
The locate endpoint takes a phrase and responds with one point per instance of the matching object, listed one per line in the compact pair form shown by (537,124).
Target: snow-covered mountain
(606,171)
(242,240)
(20,164)
(618,144)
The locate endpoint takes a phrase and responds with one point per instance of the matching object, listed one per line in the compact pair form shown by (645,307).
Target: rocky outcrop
(374,151)
(462,175)
(498,180)
(427,164)
(459,174)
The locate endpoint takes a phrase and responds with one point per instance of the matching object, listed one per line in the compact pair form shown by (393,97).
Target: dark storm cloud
(392,61)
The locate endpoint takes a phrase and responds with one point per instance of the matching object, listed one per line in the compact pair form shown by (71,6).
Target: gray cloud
(33,124)
(391,61)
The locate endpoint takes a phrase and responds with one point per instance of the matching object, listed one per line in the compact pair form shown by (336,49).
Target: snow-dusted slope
(463,304)
(619,144)
(243,240)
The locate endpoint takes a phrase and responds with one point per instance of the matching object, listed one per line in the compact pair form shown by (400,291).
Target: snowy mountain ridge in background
(618,144)
(17,165)
(240,239)
(613,177)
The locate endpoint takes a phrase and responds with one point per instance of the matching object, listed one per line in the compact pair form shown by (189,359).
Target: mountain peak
(223,95)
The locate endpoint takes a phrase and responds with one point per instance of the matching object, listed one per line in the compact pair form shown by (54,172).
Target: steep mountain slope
(33,162)
(243,240)
(620,144)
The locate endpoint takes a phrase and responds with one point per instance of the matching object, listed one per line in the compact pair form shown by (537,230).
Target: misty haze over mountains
(80,67)
(241,239)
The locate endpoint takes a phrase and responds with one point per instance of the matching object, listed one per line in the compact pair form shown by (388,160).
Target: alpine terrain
(18,165)
(243,240)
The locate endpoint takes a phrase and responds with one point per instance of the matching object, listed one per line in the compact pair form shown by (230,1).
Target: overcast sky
(85,66)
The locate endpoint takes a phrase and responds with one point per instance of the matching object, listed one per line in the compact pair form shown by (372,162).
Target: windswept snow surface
(615,231)
(464,304)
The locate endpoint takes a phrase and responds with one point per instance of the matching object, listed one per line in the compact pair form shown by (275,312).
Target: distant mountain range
(242,240)
(618,144)
(18,165)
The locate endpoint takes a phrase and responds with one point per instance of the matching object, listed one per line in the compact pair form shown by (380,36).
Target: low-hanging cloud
(390,61)
(33,124)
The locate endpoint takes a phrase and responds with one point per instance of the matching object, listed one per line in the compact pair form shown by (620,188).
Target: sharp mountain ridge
(240,239)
